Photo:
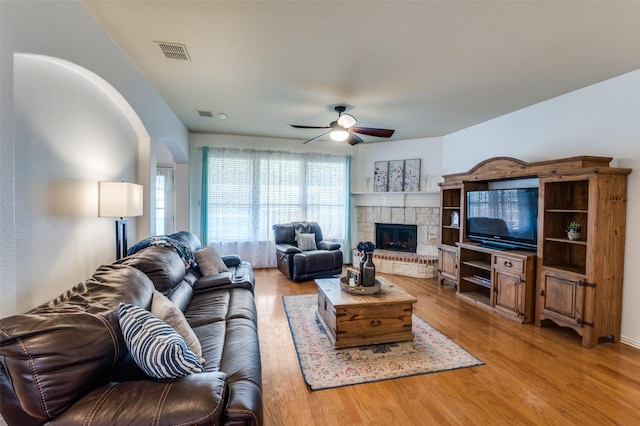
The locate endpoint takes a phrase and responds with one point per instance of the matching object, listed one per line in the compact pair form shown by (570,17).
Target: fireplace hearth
(396,237)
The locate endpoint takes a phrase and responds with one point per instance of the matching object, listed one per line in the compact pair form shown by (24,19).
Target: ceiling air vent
(204,113)
(174,51)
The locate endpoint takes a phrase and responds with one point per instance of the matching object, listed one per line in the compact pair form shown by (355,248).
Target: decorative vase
(368,274)
(362,262)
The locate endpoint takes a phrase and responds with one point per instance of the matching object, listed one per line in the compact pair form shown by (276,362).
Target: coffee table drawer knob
(375,323)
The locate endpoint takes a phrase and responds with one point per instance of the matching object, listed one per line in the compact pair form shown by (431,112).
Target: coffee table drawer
(373,325)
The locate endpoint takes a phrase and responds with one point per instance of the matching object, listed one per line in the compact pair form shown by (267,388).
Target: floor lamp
(120,200)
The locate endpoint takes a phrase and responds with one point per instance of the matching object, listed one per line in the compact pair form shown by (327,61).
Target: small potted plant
(574,232)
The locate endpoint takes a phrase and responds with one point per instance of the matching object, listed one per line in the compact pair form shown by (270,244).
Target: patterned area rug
(325,367)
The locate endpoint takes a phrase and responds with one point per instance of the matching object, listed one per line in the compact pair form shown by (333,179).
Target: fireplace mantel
(396,199)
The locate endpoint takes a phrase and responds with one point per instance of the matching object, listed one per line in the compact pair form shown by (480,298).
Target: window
(248,191)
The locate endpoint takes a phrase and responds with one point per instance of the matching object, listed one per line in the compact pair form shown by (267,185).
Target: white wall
(58,137)
(598,120)
(57,173)
(429,150)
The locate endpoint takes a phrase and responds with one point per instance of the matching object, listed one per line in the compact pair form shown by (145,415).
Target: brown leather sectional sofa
(66,362)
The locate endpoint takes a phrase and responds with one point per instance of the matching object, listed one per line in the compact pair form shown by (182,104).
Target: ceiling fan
(343,129)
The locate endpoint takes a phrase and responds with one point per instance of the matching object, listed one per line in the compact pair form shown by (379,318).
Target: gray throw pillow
(306,242)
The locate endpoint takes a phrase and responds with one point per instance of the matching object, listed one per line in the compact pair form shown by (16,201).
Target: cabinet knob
(541,292)
(508,264)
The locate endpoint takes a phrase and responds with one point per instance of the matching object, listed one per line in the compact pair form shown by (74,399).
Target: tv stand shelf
(565,240)
(500,280)
(480,265)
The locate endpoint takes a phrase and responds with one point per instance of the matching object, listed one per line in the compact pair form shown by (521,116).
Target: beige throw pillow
(209,261)
(164,309)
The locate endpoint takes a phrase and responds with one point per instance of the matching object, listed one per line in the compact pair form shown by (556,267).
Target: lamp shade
(119,199)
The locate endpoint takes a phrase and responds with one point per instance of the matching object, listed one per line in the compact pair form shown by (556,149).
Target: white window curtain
(248,191)
(164,200)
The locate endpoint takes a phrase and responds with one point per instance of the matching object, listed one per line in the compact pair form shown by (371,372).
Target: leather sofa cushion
(197,399)
(162,265)
(45,375)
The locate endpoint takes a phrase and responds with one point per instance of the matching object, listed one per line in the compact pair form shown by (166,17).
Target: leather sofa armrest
(213,281)
(193,399)
(287,248)
(327,245)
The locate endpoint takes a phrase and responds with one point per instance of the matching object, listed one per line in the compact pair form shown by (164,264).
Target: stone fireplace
(419,210)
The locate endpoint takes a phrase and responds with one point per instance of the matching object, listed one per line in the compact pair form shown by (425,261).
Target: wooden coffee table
(356,320)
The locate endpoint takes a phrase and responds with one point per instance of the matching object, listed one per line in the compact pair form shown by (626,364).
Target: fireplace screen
(396,237)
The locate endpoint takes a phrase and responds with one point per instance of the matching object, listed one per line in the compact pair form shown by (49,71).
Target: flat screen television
(506,218)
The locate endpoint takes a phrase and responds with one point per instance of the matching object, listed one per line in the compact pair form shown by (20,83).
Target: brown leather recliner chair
(303,263)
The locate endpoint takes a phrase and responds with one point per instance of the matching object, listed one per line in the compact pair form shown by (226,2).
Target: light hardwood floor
(531,376)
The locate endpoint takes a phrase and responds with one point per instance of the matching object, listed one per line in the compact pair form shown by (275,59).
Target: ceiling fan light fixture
(346,120)
(339,135)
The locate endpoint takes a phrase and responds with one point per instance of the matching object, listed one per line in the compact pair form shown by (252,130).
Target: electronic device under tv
(503,218)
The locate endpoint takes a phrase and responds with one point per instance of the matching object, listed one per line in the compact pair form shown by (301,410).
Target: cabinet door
(448,261)
(561,298)
(507,292)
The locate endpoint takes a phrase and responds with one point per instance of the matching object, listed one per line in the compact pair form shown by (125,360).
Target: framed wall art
(380,176)
(396,175)
(411,175)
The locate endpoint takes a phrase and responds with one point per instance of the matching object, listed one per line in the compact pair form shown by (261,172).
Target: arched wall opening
(71,130)
(144,140)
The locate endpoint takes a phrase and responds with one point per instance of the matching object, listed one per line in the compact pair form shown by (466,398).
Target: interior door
(165,205)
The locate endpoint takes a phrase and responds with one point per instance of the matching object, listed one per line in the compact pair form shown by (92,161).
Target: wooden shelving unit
(450,234)
(578,284)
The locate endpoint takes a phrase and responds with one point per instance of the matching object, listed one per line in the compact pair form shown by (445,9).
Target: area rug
(324,367)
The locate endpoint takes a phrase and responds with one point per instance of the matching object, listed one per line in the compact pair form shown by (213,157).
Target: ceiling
(424,68)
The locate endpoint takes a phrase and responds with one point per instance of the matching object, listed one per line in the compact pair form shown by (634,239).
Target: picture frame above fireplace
(380,176)
(396,175)
(411,182)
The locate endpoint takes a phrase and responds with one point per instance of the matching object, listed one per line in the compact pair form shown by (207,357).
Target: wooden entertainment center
(574,283)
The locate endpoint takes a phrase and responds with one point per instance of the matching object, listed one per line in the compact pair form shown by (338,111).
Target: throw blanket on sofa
(185,252)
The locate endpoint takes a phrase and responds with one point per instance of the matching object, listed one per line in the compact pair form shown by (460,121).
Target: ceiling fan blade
(316,138)
(354,139)
(308,127)
(371,131)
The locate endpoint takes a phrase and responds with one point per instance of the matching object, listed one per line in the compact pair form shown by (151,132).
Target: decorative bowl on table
(356,289)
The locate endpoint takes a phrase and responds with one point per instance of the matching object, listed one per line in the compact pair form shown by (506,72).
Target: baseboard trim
(630,342)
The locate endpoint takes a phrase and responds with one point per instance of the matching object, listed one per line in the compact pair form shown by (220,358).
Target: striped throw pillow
(155,346)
